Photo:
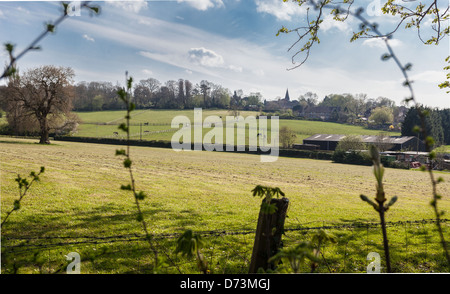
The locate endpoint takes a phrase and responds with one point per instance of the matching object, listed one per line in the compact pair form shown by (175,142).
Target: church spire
(287,95)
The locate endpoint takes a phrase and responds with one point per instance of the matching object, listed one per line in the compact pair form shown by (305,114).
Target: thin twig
(33,45)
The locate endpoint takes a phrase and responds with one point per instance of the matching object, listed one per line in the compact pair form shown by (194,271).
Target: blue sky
(228,42)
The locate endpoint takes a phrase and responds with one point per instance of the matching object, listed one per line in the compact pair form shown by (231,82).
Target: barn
(394,143)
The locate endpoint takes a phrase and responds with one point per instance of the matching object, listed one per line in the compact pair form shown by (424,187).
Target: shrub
(351,157)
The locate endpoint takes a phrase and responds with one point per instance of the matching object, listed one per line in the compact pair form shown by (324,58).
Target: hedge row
(363,158)
(168,144)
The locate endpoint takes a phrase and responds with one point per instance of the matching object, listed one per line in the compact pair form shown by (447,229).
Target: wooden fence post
(268,235)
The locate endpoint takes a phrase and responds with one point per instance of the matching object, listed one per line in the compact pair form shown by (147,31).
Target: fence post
(268,235)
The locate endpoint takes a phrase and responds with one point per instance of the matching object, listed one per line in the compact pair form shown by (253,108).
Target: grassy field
(104,124)
(79,196)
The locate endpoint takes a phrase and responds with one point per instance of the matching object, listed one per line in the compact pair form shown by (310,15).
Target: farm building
(305,146)
(395,143)
(408,156)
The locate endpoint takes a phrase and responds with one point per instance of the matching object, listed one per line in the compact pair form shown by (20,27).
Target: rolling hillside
(104,124)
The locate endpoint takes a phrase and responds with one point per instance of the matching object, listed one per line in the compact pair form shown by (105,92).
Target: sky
(228,42)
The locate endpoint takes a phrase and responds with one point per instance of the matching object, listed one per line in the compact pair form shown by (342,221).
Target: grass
(304,129)
(444,149)
(104,124)
(79,195)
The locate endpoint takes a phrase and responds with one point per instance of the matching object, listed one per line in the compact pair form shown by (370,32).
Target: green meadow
(104,124)
(78,206)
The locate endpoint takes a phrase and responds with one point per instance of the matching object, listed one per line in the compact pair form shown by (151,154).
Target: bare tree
(42,92)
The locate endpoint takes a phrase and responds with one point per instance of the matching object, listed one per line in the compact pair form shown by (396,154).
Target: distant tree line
(183,94)
(438,124)
(151,93)
(348,108)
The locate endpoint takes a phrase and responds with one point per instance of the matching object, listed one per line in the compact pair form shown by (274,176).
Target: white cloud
(23,10)
(281,10)
(329,23)
(235,68)
(430,76)
(144,21)
(203,4)
(131,6)
(147,72)
(379,43)
(87,37)
(258,72)
(209,58)
(205,57)
(234,63)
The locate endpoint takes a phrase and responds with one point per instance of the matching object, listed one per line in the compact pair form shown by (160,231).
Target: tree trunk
(43,122)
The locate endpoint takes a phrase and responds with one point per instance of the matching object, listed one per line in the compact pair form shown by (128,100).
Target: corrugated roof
(365,138)
(325,137)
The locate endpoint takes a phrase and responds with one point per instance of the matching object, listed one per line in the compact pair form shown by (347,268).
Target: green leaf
(139,217)
(121,152)
(268,208)
(95,9)
(10,71)
(16,204)
(140,196)
(282,30)
(25,182)
(392,201)
(123,127)
(385,56)
(130,83)
(322,236)
(429,140)
(366,199)
(9,47)
(122,94)
(188,243)
(432,155)
(127,163)
(408,66)
(127,187)
(416,129)
(50,28)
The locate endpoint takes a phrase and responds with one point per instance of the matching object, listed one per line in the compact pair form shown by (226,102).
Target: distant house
(324,113)
(394,143)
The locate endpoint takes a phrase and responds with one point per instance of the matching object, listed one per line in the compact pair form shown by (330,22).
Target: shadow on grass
(26,143)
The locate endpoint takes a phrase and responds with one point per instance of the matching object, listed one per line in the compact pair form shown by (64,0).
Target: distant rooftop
(365,138)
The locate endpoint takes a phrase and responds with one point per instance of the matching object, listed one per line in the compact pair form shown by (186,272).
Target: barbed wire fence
(415,246)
